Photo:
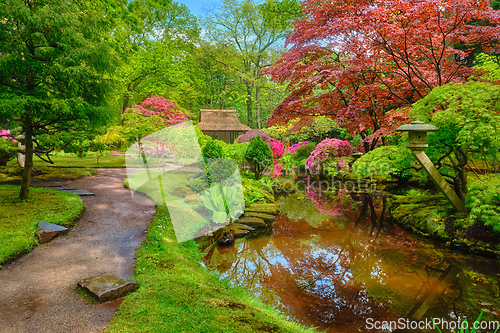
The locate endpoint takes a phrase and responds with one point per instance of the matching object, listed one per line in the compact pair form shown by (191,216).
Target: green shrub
(7,151)
(221,169)
(303,152)
(202,138)
(386,163)
(213,149)
(483,200)
(236,151)
(258,156)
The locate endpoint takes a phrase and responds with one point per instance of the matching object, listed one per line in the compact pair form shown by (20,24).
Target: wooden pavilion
(221,124)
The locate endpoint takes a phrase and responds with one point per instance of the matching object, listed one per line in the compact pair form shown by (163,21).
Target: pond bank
(178,294)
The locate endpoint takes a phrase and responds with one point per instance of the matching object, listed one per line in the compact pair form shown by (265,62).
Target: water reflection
(332,261)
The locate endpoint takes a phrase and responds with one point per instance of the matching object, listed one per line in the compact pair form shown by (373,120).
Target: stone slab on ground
(253,222)
(79,192)
(47,231)
(268,218)
(107,287)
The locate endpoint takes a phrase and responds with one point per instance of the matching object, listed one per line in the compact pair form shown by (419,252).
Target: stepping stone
(253,222)
(240,230)
(266,208)
(79,192)
(47,231)
(107,288)
(268,218)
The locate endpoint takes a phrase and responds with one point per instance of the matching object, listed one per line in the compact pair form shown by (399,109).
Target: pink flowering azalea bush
(293,148)
(162,107)
(115,153)
(8,148)
(278,148)
(328,150)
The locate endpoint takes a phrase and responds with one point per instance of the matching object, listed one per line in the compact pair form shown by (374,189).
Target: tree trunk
(249,103)
(28,162)
(257,101)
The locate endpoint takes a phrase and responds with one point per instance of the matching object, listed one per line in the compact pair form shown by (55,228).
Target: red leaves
(357,60)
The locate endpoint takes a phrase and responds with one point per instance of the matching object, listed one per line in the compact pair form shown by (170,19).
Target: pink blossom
(115,153)
(160,106)
(277,169)
(326,150)
(293,148)
(278,148)
(5,134)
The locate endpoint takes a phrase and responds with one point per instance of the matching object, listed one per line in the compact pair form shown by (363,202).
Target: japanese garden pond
(334,262)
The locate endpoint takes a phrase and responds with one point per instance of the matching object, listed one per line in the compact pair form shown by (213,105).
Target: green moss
(177,294)
(15,173)
(19,219)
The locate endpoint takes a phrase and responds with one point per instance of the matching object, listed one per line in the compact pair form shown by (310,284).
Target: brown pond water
(325,263)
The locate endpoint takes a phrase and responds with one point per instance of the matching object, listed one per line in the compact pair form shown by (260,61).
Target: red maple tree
(360,60)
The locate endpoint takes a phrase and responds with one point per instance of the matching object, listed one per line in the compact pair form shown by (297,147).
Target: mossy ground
(431,215)
(19,219)
(177,294)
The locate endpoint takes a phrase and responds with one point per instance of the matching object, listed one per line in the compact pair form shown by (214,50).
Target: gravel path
(37,292)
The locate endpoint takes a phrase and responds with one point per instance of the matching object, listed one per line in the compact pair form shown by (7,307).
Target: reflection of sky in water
(335,275)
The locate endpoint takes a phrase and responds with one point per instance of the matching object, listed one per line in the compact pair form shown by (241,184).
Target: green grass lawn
(14,173)
(177,294)
(19,219)
(70,160)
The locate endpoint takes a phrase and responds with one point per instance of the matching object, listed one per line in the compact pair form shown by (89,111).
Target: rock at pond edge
(253,222)
(268,218)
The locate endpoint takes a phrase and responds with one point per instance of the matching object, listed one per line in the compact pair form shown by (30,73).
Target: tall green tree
(252,30)
(154,39)
(53,66)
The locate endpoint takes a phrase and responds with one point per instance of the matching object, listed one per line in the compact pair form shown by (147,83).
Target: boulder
(47,231)
(268,218)
(107,288)
(253,222)
(266,208)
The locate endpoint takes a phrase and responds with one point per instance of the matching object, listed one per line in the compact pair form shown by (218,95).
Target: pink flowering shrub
(278,148)
(115,153)
(162,107)
(5,134)
(8,149)
(293,148)
(277,169)
(326,150)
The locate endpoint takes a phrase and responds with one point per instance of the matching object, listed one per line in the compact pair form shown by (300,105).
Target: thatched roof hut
(221,124)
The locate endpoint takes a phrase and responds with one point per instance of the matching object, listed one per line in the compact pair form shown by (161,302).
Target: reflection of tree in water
(337,273)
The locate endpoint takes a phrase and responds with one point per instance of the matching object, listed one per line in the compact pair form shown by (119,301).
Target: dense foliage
(258,156)
(483,200)
(468,118)
(386,163)
(162,107)
(328,150)
(358,61)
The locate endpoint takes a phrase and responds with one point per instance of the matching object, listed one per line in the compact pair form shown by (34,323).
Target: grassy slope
(177,294)
(19,219)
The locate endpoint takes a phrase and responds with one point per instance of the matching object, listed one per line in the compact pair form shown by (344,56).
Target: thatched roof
(221,120)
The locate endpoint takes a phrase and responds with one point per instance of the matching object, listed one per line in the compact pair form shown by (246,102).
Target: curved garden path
(37,292)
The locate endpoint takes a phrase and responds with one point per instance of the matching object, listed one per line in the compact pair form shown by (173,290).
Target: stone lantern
(21,149)
(417,142)
(417,134)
